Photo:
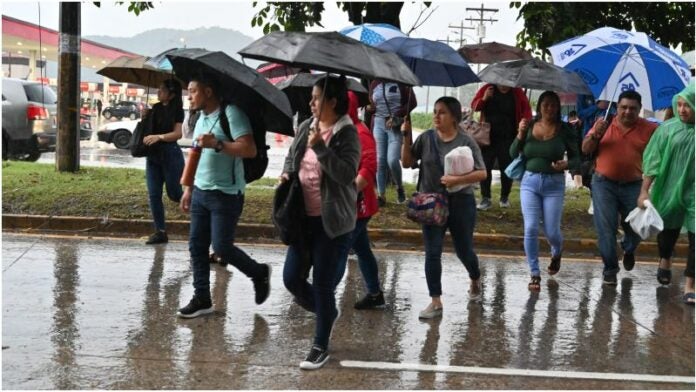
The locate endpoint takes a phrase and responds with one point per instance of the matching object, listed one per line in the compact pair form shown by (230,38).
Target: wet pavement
(100,314)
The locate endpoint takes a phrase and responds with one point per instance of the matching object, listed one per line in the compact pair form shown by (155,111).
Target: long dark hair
(453,106)
(174,88)
(553,96)
(335,89)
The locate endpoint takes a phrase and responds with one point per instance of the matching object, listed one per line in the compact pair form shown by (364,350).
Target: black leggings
(665,243)
(499,150)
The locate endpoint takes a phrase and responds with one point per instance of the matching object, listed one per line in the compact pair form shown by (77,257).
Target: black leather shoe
(159,237)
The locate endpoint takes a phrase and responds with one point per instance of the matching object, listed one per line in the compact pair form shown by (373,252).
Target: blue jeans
(541,198)
(388,154)
(612,200)
(214,216)
(360,241)
(320,296)
(164,167)
(461,222)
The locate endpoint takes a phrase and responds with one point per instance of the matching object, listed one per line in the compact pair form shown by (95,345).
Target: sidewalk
(382,238)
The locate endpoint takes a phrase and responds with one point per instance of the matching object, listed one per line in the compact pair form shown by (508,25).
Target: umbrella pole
(611,101)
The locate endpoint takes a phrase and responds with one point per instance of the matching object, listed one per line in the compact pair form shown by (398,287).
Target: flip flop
(688,298)
(664,276)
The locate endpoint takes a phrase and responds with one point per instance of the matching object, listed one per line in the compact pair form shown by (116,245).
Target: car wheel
(133,116)
(121,138)
(107,114)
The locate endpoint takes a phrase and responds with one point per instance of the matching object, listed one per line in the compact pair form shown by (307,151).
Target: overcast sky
(114,20)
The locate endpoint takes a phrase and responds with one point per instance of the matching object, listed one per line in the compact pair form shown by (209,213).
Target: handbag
(393,122)
(144,128)
(429,208)
(480,131)
(289,210)
(515,170)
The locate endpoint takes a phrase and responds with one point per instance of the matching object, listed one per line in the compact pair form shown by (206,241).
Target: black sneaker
(370,301)
(609,280)
(381,201)
(262,286)
(196,307)
(629,260)
(214,259)
(316,358)
(401,195)
(158,237)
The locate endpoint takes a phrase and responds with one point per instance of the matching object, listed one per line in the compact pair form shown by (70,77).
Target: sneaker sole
(305,365)
(196,313)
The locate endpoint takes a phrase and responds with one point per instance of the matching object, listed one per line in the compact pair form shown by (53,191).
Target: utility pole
(68,141)
(462,40)
(481,29)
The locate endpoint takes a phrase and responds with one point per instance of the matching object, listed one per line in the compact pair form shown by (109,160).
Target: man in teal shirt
(216,199)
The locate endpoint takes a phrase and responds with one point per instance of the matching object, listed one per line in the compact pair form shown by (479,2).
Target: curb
(383,238)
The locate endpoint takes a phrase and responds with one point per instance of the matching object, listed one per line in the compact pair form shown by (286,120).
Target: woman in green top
(668,165)
(544,143)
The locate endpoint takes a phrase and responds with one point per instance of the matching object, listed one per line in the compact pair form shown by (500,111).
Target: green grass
(38,189)
(421,120)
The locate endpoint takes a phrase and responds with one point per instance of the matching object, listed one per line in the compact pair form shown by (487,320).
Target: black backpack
(254,168)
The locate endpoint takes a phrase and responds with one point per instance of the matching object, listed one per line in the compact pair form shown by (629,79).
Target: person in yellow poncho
(668,165)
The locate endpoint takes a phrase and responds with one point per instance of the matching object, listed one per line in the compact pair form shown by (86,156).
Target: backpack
(254,168)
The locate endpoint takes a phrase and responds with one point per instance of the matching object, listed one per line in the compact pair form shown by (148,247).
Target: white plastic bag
(457,162)
(645,222)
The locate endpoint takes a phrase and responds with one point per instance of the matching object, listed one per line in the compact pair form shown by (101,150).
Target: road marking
(518,372)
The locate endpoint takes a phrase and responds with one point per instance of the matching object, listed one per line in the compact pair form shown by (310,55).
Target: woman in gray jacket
(325,155)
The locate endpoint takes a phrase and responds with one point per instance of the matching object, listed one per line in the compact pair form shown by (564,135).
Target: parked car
(123,109)
(29,121)
(117,132)
(85,127)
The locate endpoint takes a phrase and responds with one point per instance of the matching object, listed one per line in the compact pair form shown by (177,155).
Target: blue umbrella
(612,60)
(435,63)
(372,34)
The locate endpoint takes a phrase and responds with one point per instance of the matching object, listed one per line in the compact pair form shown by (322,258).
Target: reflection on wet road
(100,314)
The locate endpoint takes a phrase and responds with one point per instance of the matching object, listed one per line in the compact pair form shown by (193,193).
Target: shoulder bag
(429,208)
(144,128)
(480,131)
(393,122)
(288,210)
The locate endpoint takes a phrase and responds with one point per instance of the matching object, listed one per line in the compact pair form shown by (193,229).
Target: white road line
(518,372)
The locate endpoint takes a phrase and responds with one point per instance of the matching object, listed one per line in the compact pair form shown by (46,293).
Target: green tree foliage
(669,23)
(296,16)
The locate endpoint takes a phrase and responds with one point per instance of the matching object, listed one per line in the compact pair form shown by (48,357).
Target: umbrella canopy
(276,73)
(689,57)
(612,60)
(298,88)
(330,52)
(135,70)
(263,103)
(534,74)
(492,52)
(435,63)
(372,34)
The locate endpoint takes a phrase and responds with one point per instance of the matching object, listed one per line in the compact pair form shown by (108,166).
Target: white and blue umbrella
(372,34)
(612,60)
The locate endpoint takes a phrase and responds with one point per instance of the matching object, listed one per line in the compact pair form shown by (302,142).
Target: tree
(548,23)
(296,16)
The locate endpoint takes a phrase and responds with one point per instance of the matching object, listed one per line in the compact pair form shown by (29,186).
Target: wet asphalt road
(100,314)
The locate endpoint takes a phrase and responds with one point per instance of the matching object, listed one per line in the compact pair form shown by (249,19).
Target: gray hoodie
(339,165)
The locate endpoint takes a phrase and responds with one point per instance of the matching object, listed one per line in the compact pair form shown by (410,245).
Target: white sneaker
(504,204)
(591,209)
(430,312)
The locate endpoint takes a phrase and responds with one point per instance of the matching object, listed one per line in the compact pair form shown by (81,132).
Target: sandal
(688,298)
(664,276)
(555,265)
(535,284)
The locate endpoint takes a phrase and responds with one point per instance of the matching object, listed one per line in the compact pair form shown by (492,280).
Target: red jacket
(522,108)
(368,161)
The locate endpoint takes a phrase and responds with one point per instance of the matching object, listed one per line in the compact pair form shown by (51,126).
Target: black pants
(665,243)
(500,151)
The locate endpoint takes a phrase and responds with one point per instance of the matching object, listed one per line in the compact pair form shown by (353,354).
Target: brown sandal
(555,265)
(535,283)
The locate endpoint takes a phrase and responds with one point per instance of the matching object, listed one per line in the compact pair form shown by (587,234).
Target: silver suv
(29,122)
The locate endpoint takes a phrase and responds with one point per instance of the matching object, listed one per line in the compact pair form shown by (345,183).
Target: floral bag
(429,208)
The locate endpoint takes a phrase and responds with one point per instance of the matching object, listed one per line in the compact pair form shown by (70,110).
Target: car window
(40,93)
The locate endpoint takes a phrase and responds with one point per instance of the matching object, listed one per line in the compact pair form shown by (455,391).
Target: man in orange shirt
(618,178)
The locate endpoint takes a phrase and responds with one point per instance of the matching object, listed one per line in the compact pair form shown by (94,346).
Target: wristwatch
(219,146)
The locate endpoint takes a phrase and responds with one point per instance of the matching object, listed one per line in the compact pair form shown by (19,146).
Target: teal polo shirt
(215,169)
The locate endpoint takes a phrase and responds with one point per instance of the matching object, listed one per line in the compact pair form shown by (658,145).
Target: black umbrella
(330,52)
(534,74)
(298,88)
(262,102)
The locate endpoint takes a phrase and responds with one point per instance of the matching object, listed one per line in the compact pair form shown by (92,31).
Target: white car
(117,132)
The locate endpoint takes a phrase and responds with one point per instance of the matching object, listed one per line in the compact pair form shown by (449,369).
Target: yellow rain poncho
(669,157)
